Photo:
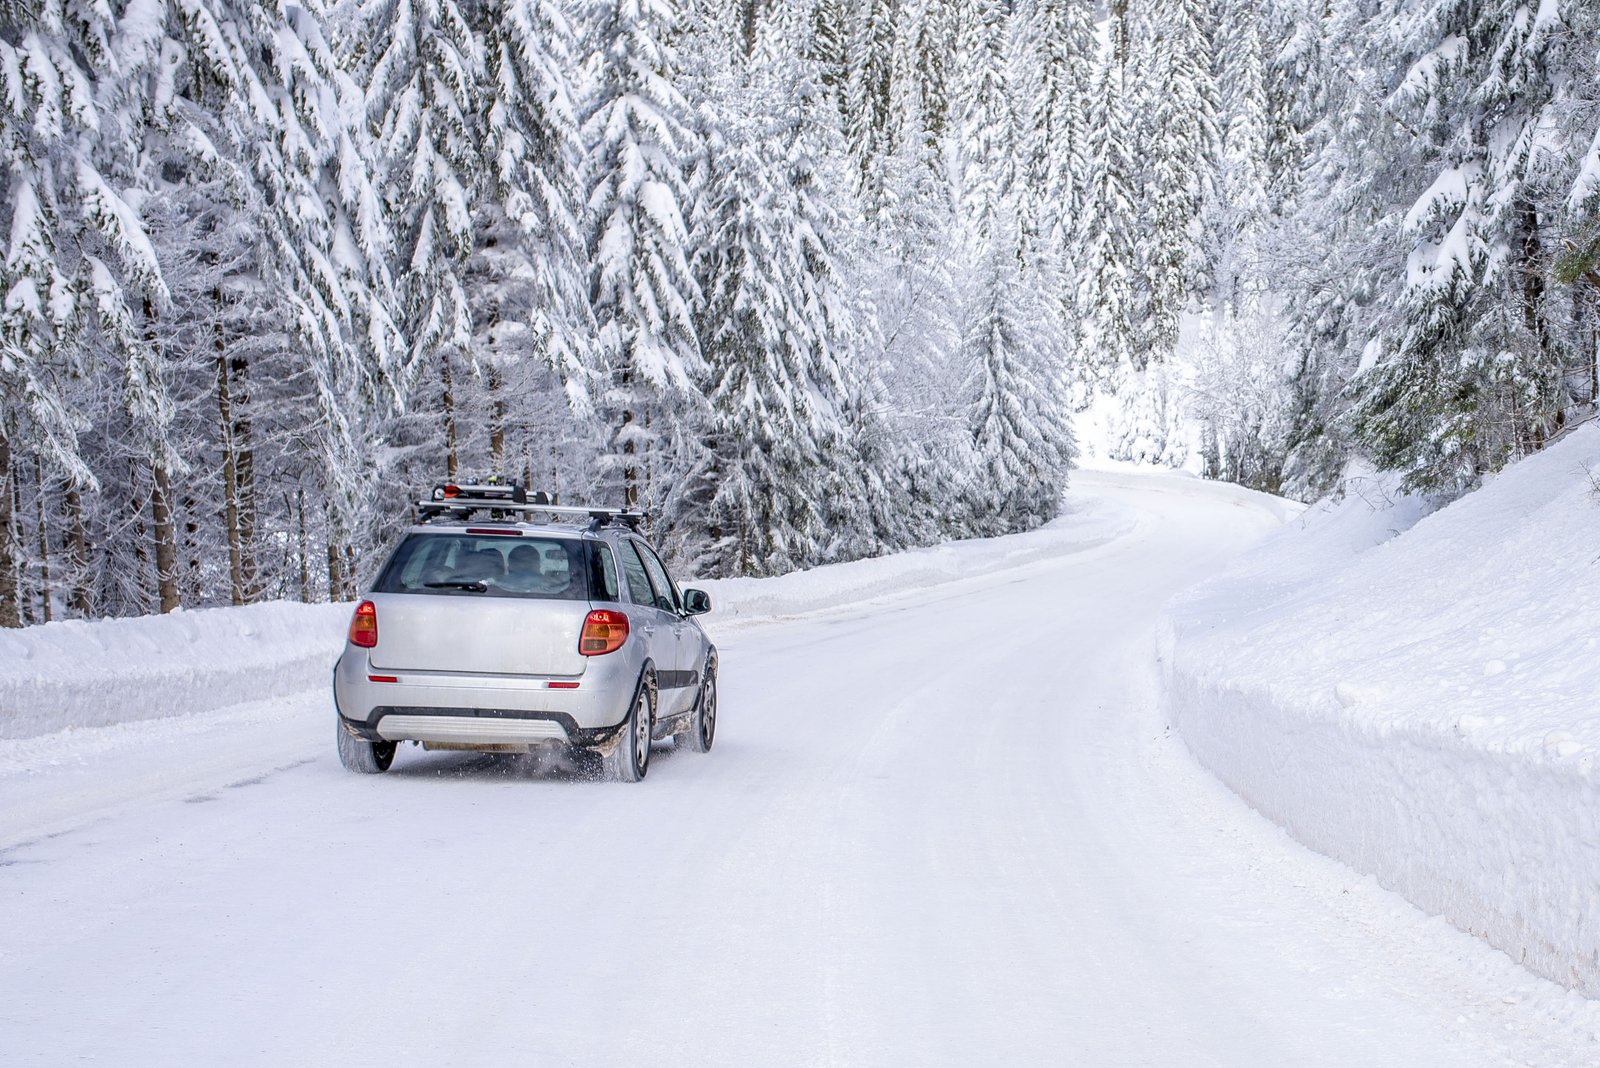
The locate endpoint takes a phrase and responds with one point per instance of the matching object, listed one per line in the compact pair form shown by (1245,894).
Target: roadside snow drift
(1416,695)
(94,674)
(91,674)
(1085,523)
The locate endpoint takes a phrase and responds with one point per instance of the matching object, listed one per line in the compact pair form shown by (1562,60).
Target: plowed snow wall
(1414,692)
(1503,849)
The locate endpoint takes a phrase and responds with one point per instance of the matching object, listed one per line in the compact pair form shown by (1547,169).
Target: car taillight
(603,632)
(364,625)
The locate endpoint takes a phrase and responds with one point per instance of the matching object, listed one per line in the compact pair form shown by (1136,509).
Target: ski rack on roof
(503,500)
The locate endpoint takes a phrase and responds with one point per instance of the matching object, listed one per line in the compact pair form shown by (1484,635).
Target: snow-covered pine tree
(1110,341)
(1470,377)
(1241,398)
(638,143)
(828,44)
(1576,110)
(279,124)
(777,482)
(1011,333)
(125,310)
(868,96)
(923,453)
(1020,428)
(914,150)
(1295,47)
(1182,126)
(79,266)
(50,113)
(933,49)
(1323,242)
(985,147)
(533,150)
(531,397)
(422,66)
(1242,202)
(827,242)
(1057,133)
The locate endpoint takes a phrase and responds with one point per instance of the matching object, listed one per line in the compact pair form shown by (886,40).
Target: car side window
(605,573)
(639,591)
(667,598)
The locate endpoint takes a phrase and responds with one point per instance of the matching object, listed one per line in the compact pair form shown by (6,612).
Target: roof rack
(501,500)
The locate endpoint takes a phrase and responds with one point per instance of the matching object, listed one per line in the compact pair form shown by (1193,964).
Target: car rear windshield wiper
(458,584)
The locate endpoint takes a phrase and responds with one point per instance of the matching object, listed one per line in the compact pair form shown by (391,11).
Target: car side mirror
(696,602)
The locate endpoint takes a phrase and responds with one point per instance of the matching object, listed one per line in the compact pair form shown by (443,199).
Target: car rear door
(685,671)
(657,628)
(664,623)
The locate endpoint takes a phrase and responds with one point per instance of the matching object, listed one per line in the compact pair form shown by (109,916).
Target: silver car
(499,625)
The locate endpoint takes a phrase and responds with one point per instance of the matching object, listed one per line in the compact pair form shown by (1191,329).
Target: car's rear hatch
(482,601)
(478,635)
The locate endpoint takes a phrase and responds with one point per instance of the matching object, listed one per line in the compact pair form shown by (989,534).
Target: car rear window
(467,565)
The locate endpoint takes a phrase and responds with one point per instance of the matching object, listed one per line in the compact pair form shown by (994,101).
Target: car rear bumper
(472,728)
(483,710)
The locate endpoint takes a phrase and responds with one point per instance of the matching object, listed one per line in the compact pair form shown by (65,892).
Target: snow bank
(1414,694)
(91,674)
(1085,522)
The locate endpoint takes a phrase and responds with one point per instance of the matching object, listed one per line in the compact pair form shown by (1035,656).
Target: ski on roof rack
(451,500)
(491,489)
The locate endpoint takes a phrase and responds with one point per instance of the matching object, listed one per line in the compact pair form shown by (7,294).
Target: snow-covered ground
(1414,694)
(942,825)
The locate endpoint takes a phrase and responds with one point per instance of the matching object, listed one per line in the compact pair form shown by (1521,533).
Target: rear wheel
(630,760)
(702,730)
(358,754)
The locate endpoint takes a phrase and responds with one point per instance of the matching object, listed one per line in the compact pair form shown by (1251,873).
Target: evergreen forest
(809,280)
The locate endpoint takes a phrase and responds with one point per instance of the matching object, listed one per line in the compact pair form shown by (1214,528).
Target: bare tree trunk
(44,540)
(1119,32)
(191,546)
(24,572)
(1533,279)
(305,548)
(335,560)
(497,421)
(1535,431)
(1594,368)
(164,527)
(630,468)
(648,478)
(350,577)
(749,15)
(245,469)
(166,537)
(79,598)
(140,534)
(10,600)
(335,578)
(447,401)
(230,474)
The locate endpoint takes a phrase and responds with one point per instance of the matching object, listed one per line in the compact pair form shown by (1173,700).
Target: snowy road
(946,828)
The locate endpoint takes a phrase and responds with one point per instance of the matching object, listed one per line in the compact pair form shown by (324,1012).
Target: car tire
(702,730)
(630,757)
(358,754)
